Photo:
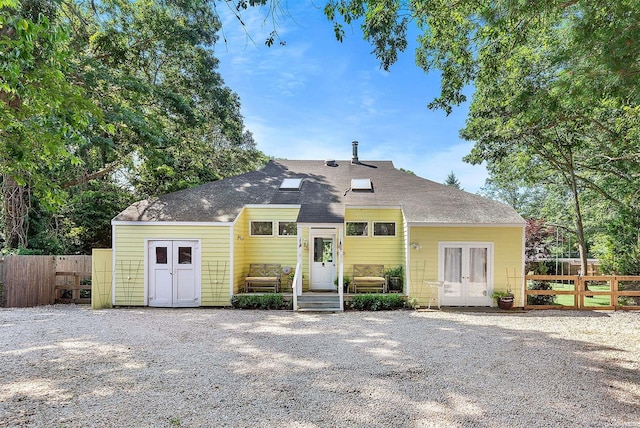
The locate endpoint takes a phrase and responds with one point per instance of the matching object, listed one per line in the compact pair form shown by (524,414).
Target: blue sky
(312,97)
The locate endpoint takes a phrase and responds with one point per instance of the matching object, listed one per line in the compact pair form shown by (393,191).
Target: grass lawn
(567,300)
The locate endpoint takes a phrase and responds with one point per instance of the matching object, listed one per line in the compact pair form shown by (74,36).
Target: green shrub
(541,299)
(264,301)
(377,302)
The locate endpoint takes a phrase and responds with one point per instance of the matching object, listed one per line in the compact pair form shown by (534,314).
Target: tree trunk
(15,211)
(582,247)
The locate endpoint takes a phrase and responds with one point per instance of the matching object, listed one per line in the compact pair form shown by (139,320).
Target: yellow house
(312,225)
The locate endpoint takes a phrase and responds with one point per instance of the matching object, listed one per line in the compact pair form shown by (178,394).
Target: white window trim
(357,236)
(373,229)
(261,221)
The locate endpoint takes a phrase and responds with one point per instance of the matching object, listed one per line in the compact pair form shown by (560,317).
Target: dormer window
(361,184)
(291,184)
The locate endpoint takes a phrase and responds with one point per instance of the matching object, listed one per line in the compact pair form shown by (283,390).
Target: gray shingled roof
(324,194)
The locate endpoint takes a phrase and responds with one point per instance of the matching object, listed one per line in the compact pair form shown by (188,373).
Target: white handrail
(296,285)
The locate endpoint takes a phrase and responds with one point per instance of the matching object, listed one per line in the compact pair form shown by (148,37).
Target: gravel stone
(70,366)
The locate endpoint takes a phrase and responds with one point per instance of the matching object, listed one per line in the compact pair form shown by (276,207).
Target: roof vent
(354,156)
(330,162)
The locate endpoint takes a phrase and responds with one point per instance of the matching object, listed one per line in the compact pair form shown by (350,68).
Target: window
(261,228)
(287,228)
(384,228)
(184,255)
(291,184)
(161,255)
(361,184)
(357,228)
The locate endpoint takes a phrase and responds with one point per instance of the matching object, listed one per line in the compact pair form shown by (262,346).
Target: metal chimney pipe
(354,156)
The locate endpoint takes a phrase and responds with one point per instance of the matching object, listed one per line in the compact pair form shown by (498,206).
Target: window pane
(286,228)
(262,228)
(453,265)
(478,265)
(184,255)
(357,228)
(384,229)
(161,255)
(323,250)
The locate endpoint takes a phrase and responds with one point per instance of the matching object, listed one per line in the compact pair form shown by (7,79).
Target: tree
(537,240)
(175,123)
(452,181)
(120,98)
(527,201)
(556,96)
(42,112)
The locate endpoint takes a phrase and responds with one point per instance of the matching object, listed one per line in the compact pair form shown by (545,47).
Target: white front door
(323,264)
(173,273)
(465,270)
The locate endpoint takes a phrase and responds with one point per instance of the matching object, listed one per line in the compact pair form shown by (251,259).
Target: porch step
(319,303)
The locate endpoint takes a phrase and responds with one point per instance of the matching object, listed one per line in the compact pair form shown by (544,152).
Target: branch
(88,177)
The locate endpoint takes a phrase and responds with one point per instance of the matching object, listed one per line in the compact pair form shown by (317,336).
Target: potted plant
(504,299)
(345,283)
(395,278)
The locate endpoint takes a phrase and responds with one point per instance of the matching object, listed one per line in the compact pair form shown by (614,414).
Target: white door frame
(176,271)
(465,299)
(322,233)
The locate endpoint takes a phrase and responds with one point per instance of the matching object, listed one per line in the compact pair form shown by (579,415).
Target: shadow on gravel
(157,367)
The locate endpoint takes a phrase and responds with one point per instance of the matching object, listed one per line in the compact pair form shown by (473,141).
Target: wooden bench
(369,278)
(263,277)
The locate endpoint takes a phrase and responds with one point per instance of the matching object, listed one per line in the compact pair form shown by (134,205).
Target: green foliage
(496,295)
(395,272)
(618,245)
(42,113)
(377,302)
(345,281)
(122,95)
(264,301)
(411,303)
(453,181)
(540,299)
(555,112)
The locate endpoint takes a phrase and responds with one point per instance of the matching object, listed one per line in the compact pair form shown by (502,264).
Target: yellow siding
(101,263)
(385,250)
(130,269)
(264,249)
(507,257)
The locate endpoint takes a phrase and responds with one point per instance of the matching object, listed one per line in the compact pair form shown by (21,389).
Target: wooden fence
(44,280)
(584,292)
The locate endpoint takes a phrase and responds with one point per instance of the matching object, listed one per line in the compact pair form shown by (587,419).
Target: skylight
(361,184)
(291,184)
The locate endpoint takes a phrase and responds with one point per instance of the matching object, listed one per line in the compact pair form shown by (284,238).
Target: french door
(323,261)
(465,270)
(174,273)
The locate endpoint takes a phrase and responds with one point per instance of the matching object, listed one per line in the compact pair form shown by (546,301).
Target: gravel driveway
(68,366)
